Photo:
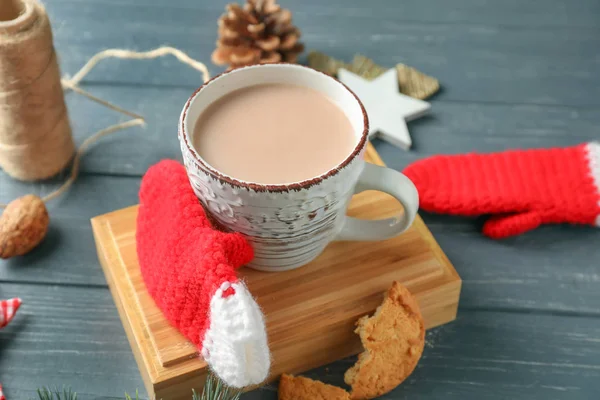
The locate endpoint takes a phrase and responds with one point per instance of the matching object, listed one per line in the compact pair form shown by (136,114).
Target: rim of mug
(273,188)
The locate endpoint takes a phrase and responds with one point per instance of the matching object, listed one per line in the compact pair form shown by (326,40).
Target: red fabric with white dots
(8,309)
(519,189)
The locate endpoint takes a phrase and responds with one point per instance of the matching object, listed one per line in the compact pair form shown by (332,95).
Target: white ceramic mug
(289,225)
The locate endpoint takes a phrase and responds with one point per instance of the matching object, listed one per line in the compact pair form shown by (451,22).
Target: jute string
(72,84)
(35,135)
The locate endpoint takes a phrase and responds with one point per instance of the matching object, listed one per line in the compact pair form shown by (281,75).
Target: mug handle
(394,183)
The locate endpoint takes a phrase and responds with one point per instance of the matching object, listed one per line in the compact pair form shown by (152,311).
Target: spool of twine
(72,84)
(35,135)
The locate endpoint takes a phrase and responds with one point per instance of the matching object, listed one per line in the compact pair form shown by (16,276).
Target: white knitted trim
(235,345)
(593,150)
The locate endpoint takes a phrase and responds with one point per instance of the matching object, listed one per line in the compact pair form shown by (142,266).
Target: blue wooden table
(514,74)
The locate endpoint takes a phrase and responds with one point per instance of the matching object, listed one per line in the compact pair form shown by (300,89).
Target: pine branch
(47,394)
(128,397)
(214,389)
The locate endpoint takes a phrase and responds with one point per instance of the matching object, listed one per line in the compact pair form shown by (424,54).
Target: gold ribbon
(412,82)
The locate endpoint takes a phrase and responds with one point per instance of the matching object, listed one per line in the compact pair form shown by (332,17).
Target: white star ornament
(387,108)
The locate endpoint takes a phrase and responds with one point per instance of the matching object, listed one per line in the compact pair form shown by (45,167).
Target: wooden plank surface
(532,272)
(483,354)
(497,61)
(452,127)
(514,13)
(514,74)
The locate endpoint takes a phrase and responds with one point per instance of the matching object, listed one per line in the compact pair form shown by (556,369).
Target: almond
(23,225)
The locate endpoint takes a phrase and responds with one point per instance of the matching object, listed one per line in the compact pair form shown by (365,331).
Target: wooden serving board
(310,312)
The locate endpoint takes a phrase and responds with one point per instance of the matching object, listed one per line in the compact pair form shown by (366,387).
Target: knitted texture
(520,189)
(189,270)
(8,309)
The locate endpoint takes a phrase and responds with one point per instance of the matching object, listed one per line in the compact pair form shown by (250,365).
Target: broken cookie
(300,388)
(393,339)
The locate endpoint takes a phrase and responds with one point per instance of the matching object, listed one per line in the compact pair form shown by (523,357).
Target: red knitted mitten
(189,270)
(2,394)
(8,309)
(521,189)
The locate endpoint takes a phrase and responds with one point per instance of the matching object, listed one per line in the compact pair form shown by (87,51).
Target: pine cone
(260,32)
